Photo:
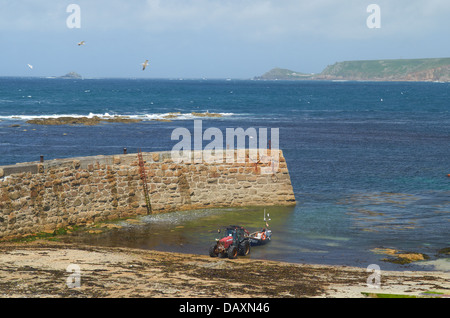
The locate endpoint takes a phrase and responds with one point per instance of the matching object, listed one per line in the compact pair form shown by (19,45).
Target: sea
(369,161)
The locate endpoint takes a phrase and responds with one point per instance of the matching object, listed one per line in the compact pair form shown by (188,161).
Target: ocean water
(368,160)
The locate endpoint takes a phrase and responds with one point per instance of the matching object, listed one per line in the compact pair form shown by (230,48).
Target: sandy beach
(40,269)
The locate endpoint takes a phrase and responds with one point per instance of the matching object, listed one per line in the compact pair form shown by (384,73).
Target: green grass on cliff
(430,69)
(383,68)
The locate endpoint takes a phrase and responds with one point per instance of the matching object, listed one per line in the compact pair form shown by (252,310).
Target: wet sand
(39,269)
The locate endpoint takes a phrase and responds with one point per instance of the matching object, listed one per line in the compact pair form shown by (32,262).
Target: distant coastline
(412,70)
(388,70)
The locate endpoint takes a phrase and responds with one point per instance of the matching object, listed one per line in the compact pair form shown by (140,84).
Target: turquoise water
(368,161)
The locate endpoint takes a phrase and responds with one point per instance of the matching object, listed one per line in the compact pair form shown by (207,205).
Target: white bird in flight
(81,43)
(144,65)
(30,66)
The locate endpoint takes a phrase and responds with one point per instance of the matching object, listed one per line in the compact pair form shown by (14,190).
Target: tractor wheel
(244,248)
(212,251)
(232,252)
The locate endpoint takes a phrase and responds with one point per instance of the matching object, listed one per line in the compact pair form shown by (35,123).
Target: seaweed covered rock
(87,121)
(399,257)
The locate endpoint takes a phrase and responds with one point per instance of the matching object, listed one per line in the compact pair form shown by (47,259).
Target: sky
(212,38)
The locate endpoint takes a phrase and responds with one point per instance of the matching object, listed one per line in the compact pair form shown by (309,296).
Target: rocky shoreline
(40,269)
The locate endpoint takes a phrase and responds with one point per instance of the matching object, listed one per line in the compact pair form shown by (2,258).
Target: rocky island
(415,70)
(71,75)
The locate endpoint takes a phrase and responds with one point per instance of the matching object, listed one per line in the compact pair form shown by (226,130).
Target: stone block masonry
(36,197)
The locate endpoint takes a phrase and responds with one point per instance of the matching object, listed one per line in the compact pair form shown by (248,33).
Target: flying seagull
(81,43)
(30,66)
(144,65)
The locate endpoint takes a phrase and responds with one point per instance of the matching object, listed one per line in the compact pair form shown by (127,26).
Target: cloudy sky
(213,38)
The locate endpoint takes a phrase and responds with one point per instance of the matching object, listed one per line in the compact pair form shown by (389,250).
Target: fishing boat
(261,237)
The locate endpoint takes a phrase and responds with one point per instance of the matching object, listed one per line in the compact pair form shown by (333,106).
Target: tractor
(235,241)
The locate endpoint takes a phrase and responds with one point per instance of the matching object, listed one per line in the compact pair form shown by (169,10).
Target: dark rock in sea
(445,251)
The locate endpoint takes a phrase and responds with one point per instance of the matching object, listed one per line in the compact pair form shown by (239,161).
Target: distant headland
(416,70)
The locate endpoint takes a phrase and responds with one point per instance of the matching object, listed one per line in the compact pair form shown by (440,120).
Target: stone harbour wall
(36,197)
